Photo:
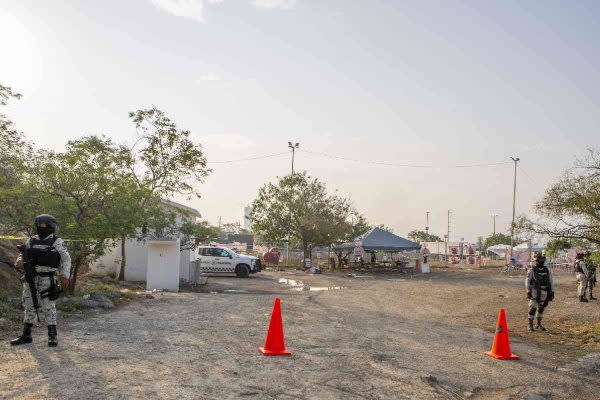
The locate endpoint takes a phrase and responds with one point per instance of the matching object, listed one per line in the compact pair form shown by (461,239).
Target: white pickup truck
(214,259)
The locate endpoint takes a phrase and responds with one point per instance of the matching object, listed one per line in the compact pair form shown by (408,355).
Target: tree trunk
(306,253)
(123,259)
(74,270)
(340,259)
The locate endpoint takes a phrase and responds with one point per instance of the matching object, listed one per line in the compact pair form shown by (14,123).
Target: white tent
(525,246)
(501,250)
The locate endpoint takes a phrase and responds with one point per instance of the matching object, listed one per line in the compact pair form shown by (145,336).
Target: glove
(529,295)
(550,296)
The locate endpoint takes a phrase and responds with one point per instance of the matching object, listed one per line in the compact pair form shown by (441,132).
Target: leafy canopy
(498,238)
(554,246)
(298,206)
(422,236)
(570,208)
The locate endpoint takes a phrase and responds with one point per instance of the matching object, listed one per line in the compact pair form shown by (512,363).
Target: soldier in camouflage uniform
(48,254)
(591,274)
(581,272)
(540,291)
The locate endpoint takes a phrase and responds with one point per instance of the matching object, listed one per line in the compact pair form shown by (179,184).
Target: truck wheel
(242,271)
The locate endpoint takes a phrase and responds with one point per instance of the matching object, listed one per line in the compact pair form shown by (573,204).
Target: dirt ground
(388,336)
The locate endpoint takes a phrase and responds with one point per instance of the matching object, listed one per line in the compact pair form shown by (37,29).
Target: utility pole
(287,242)
(449,225)
(293,147)
(494,222)
(427,224)
(448,236)
(512,225)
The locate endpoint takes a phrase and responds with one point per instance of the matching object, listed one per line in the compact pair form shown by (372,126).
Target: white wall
(184,264)
(108,263)
(137,259)
(163,265)
(136,254)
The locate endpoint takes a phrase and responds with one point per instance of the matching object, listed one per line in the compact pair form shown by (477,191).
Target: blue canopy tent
(379,239)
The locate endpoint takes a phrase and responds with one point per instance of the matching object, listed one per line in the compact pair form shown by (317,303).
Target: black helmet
(45,225)
(539,258)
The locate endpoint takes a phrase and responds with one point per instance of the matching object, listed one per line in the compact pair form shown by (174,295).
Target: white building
(136,252)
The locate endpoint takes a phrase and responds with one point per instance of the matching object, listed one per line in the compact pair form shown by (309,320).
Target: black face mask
(44,232)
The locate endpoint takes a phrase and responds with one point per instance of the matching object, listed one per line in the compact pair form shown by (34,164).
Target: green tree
(570,208)
(194,233)
(298,207)
(556,245)
(17,202)
(354,227)
(100,191)
(164,162)
(498,238)
(384,227)
(422,236)
(90,190)
(232,227)
(357,226)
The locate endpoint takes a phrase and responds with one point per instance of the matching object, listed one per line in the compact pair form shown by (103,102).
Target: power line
(537,184)
(389,164)
(247,158)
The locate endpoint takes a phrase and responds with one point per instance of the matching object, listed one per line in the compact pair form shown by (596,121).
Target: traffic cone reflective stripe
(501,346)
(275,341)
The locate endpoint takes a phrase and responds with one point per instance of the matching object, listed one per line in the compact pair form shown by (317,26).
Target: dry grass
(10,287)
(580,333)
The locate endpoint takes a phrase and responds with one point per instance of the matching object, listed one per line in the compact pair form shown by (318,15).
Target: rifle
(30,277)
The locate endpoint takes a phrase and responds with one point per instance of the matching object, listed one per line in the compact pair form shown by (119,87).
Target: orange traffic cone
(275,342)
(501,346)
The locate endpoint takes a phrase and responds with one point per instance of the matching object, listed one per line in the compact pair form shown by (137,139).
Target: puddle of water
(316,288)
(299,286)
(290,282)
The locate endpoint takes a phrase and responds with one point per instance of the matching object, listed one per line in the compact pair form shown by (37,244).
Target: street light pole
(512,225)
(427,224)
(293,147)
(287,250)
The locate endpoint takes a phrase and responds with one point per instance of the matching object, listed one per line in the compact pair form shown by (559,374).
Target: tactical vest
(541,278)
(42,252)
(578,267)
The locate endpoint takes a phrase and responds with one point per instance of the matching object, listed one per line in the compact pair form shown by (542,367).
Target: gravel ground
(380,337)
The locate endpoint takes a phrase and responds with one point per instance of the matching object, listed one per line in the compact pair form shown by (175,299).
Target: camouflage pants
(583,282)
(47,310)
(535,305)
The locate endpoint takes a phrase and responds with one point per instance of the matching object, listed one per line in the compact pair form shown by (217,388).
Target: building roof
(379,239)
(189,210)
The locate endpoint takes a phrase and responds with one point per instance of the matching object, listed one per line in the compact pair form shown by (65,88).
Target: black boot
(52,341)
(539,325)
(592,296)
(583,299)
(25,336)
(530,327)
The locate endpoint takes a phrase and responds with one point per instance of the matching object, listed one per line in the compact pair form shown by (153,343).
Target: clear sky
(438,83)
